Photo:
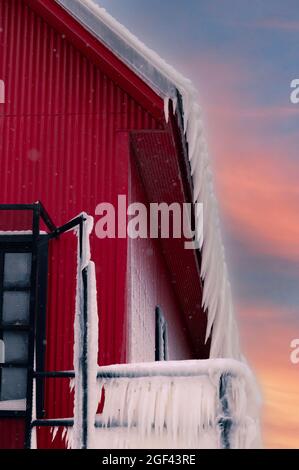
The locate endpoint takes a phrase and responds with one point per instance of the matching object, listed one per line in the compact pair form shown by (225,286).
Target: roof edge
(110,33)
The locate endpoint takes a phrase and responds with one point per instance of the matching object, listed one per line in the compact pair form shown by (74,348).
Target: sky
(242,56)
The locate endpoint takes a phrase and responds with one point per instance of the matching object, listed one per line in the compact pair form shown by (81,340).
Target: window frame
(17,243)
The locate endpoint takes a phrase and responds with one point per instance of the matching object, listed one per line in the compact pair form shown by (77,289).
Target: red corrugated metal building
(79,127)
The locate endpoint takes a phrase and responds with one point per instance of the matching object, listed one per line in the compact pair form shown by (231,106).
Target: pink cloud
(256,179)
(272,113)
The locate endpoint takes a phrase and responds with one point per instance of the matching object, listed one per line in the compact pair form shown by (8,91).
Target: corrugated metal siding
(57,144)
(11,433)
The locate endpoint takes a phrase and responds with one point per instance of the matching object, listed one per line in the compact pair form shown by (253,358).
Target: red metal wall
(58,144)
(12,433)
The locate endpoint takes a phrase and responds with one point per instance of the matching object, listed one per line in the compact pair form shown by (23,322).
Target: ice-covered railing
(177,404)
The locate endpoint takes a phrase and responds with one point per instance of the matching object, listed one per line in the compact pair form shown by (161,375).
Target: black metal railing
(29,218)
(39,215)
(224,423)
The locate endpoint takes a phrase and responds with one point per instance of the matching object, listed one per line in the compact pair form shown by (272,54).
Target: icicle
(54,431)
(166,409)
(174,104)
(72,384)
(166,108)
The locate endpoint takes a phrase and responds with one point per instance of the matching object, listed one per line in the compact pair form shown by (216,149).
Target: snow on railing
(86,340)
(210,403)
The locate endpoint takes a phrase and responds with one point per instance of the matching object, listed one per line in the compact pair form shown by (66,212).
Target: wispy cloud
(256,173)
(279,24)
(255,158)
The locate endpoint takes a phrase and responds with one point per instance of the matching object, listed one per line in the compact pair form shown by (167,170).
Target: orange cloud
(280,413)
(266,337)
(261,199)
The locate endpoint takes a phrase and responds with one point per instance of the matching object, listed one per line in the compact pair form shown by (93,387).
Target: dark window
(161,347)
(16,293)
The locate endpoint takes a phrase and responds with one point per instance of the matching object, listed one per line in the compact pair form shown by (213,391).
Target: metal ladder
(37,375)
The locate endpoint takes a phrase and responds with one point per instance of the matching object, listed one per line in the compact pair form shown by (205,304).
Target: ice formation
(217,298)
(176,404)
(13,405)
(84,262)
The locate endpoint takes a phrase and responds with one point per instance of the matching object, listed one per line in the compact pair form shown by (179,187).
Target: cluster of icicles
(173,412)
(159,407)
(217,297)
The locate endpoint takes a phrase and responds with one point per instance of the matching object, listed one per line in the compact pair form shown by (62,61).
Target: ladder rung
(59,374)
(67,422)
(112,424)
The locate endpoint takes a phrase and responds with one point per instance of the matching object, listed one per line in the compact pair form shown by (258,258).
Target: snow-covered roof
(165,81)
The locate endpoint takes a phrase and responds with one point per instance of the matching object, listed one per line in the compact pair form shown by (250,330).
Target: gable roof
(143,61)
(166,81)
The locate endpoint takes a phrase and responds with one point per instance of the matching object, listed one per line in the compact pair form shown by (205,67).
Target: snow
(33,437)
(176,404)
(164,79)
(20,232)
(179,368)
(15,232)
(115,438)
(13,405)
(84,262)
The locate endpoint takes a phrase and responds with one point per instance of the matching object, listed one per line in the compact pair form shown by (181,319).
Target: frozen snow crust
(176,404)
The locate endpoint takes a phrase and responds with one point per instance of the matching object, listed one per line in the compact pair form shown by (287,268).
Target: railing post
(84,361)
(32,321)
(81,411)
(225,422)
